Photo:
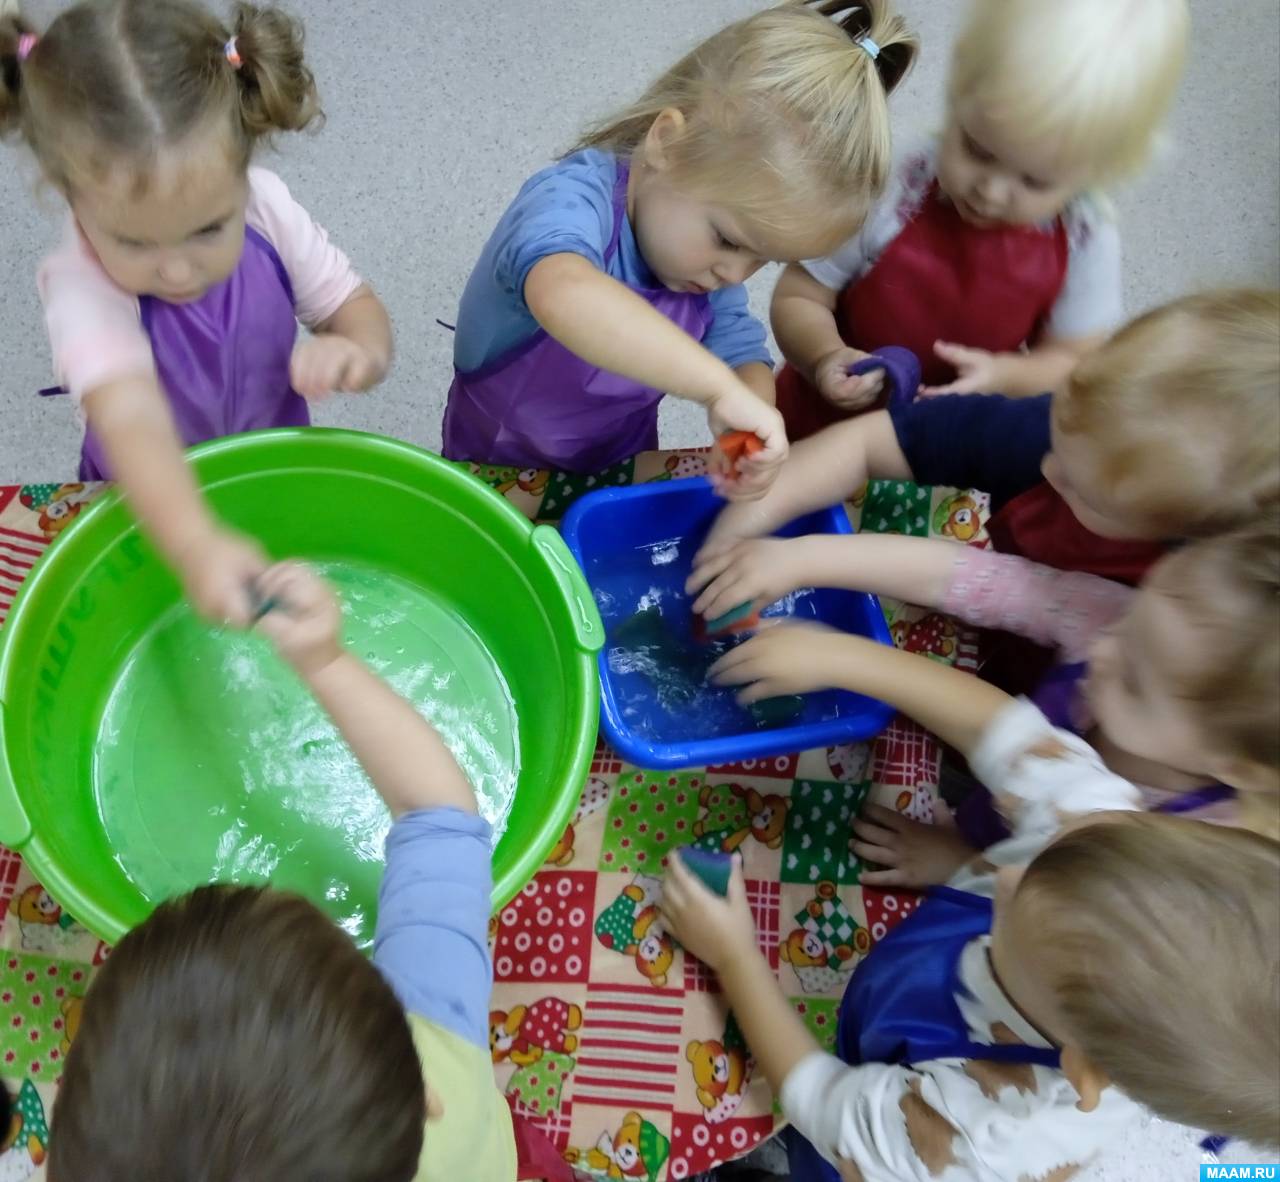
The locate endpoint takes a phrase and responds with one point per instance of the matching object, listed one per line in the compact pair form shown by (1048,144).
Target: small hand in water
(842,389)
(913,854)
(306,622)
(738,409)
(756,571)
(327,364)
(783,659)
(218,571)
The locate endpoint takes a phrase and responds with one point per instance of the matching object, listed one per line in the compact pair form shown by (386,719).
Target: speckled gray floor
(437,112)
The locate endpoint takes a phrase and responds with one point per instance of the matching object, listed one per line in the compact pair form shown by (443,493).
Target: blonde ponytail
(785,112)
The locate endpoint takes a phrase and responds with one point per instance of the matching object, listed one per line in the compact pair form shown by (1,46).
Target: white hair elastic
(873,50)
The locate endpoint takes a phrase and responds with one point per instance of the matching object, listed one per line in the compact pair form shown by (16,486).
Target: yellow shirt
(473,1141)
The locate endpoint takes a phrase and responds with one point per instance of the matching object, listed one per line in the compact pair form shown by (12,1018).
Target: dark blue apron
(900,1005)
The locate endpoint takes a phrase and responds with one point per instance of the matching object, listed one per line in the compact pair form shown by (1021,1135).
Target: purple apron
(541,406)
(223,360)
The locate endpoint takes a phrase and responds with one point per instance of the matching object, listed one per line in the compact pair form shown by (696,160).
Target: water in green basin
(214,763)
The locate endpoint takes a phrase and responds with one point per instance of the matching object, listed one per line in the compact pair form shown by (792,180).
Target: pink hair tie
(26,43)
(232,51)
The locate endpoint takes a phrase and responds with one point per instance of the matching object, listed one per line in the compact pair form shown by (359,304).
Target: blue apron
(900,1005)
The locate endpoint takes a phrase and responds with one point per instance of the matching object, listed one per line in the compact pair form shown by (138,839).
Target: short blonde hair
(1183,404)
(786,118)
(1161,937)
(1228,587)
(1096,77)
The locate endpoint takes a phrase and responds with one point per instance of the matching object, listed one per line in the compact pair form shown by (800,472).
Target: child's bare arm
(131,418)
(761,570)
(800,658)
(721,933)
(823,470)
(348,353)
(1017,375)
(401,752)
(802,314)
(605,323)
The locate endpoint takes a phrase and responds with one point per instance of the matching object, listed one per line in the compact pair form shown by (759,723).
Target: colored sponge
(711,867)
(738,445)
(771,713)
(743,618)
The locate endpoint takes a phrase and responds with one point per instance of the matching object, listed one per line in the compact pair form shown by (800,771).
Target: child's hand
(715,930)
(842,389)
(218,572)
(913,854)
(978,372)
(757,572)
(738,409)
(327,363)
(787,658)
(304,621)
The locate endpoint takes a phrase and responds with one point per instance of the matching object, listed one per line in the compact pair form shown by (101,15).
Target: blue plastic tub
(636,546)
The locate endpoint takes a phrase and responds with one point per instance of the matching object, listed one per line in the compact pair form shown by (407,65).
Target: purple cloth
(223,360)
(901,372)
(542,406)
(431,939)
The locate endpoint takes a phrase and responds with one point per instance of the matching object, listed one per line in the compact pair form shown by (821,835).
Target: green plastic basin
(144,752)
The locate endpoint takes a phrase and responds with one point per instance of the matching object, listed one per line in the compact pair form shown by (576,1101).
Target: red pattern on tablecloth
(606,1037)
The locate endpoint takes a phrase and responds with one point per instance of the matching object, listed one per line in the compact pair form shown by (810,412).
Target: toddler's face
(1135,669)
(1074,466)
(182,235)
(697,246)
(994,180)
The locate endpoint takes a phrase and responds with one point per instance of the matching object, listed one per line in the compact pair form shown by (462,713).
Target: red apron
(1038,525)
(940,279)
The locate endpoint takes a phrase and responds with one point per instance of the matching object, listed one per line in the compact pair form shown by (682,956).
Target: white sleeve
(854,1113)
(95,332)
(1041,777)
(322,276)
(1091,301)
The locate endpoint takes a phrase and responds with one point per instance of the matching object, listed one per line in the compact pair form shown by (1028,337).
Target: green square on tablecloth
(566,487)
(897,507)
(651,813)
(815,845)
(819,1015)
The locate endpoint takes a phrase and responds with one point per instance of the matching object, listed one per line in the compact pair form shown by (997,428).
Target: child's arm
(605,323)
(348,352)
(1045,367)
(854,1116)
(1038,775)
(404,757)
(802,314)
(131,418)
(822,470)
(762,570)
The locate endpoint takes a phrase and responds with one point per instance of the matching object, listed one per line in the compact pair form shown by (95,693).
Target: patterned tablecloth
(612,1040)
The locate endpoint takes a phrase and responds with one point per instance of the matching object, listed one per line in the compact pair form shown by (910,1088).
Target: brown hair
(1184,405)
(116,80)
(1229,589)
(239,1036)
(785,113)
(1161,937)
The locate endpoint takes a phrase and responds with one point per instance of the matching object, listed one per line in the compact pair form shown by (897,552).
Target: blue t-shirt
(568,209)
(431,938)
(983,441)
